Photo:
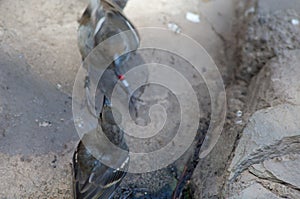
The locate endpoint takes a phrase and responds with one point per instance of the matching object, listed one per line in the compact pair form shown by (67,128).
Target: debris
(45,124)
(249,11)
(239,113)
(79,122)
(174,27)
(239,122)
(192,17)
(295,22)
(59,86)
(53,162)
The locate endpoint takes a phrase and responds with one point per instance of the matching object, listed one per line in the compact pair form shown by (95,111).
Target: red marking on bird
(121,77)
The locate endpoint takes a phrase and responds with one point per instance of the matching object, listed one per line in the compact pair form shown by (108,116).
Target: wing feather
(98,182)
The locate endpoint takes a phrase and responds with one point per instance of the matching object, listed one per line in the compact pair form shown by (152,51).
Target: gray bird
(92,178)
(101,20)
(121,3)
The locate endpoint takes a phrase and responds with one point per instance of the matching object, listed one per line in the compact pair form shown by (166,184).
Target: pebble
(239,122)
(239,113)
(295,22)
(174,27)
(195,18)
(249,11)
(45,124)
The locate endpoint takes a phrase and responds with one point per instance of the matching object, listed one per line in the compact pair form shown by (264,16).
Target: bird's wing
(95,180)
(85,17)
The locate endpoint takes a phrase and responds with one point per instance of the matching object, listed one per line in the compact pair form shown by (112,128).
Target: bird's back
(92,178)
(98,167)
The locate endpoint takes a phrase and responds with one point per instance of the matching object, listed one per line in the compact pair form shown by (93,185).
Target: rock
(267,135)
(270,143)
(266,158)
(277,86)
(285,169)
(277,82)
(254,191)
(264,182)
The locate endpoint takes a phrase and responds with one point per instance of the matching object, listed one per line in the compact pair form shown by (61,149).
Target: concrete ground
(38,64)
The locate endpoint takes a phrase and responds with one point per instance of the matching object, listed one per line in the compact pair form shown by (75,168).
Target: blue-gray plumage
(92,178)
(101,20)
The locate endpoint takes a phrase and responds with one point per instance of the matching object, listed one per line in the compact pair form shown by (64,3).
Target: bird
(101,20)
(121,3)
(92,178)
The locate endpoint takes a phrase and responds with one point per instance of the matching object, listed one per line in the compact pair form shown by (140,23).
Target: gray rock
(270,133)
(267,183)
(271,139)
(285,169)
(265,160)
(270,142)
(256,191)
(282,170)
(277,82)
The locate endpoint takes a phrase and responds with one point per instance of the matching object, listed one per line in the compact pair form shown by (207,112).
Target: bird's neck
(94,3)
(96,9)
